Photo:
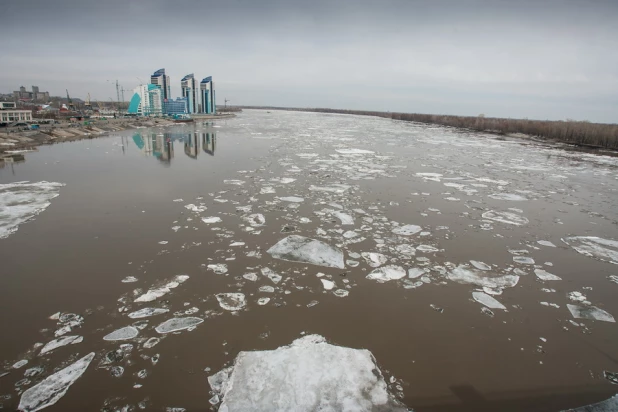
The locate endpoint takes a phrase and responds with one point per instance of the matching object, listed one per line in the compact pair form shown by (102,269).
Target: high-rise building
(147,100)
(159,78)
(188,88)
(207,94)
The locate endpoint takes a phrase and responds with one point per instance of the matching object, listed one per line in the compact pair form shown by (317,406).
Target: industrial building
(207,93)
(189,91)
(10,114)
(35,95)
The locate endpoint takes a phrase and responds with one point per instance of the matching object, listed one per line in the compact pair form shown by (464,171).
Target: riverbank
(578,133)
(15,140)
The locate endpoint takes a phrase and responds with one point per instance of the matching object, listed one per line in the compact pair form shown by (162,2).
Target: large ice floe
(156,293)
(296,248)
(608,405)
(485,299)
(590,312)
(232,301)
(596,247)
(147,312)
(509,218)
(465,274)
(59,342)
(128,332)
(386,273)
(21,201)
(308,375)
(407,230)
(176,324)
(51,389)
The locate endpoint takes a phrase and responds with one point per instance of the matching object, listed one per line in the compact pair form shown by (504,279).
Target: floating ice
(578,297)
(236,244)
(129,279)
(51,389)
(234,182)
(128,332)
(218,268)
(608,405)
(267,190)
(407,230)
(487,300)
(266,289)
(62,341)
(156,293)
(151,343)
(414,273)
(147,312)
(20,364)
(211,219)
(553,305)
(344,217)
(342,293)
(463,274)
(196,209)
(427,249)
(255,220)
(386,273)
(292,199)
(284,180)
(176,324)
(602,249)
(524,260)
(22,201)
(544,275)
(333,188)
(296,248)
(232,301)
(270,274)
(374,259)
(307,375)
(508,196)
(328,284)
(430,176)
(353,151)
(590,312)
(505,217)
(263,301)
(545,243)
(251,276)
(480,265)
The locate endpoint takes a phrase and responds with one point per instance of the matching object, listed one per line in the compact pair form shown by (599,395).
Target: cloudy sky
(527,58)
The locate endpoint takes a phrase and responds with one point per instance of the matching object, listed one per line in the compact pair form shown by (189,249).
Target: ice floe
(128,332)
(480,265)
(524,260)
(545,243)
(589,312)
(59,342)
(333,188)
(386,273)
(51,389)
(156,293)
(544,275)
(231,301)
(292,199)
(487,300)
(464,274)
(296,248)
(414,273)
(147,312)
(255,220)
(218,268)
(177,324)
(22,201)
(509,218)
(374,259)
(344,217)
(328,284)
(211,219)
(508,196)
(307,375)
(354,151)
(597,247)
(407,230)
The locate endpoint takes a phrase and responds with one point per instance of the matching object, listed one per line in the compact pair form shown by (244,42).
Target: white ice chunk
(272,275)
(508,196)
(592,246)
(251,276)
(333,188)
(480,265)
(407,230)
(176,324)
(266,289)
(545,243)
(353,151)
(590,312)
(427,249)
(196,208)
(344,217)
(505,217)
(51,389)
(524,260)
(544,275)
(156,293)
(62,341)
(232,301)
(147,312)
(342,293)
(22,201)
(128,332)
(487,300)
(218,268)
(255,220)
(211,219)
(296,248)
(386,273)
(263,301)
(374,259)
(293,199)
(414,273)
(308,375)
(466,275)
(328,284)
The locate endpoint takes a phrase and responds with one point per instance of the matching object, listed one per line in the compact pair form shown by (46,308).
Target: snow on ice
(296,248)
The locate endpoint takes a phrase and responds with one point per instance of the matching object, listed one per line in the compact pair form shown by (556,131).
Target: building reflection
(157,145)
(208,142)
(191,145)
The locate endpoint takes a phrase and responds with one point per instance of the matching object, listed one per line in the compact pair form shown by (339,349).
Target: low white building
(9,113)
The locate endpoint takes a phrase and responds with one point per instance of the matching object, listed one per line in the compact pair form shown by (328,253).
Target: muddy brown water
(118,204)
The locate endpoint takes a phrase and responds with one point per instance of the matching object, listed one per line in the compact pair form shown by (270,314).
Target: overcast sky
(516,58)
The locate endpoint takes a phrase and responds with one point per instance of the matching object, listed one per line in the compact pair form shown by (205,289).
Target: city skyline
(538,60)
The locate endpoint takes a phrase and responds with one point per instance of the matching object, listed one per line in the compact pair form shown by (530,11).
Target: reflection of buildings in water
(191,145)
(208,142)
(157,145)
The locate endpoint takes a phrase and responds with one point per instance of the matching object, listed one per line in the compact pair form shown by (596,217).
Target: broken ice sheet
(218,268)
(545,243)
(147,312)
(333,188)
(487,300)
(128,332)
(292,199)
(211,219)
(407,230)
(480,265)
(231,301)
(51,389)
(596,247)
(508,196)
(156,293)
(386,273)
(307,375)
(22,201)
(270,274)
(328,284)
(353,151)
(345,219)
(263,301)
(524,260)
(505,217)
(464,274)
(590,312)
(544,275)
(374,259)
(177,324)
(296,248)
(62,341)
(255,220)
(251,276)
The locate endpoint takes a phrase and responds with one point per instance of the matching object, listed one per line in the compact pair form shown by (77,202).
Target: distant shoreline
(578,133)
